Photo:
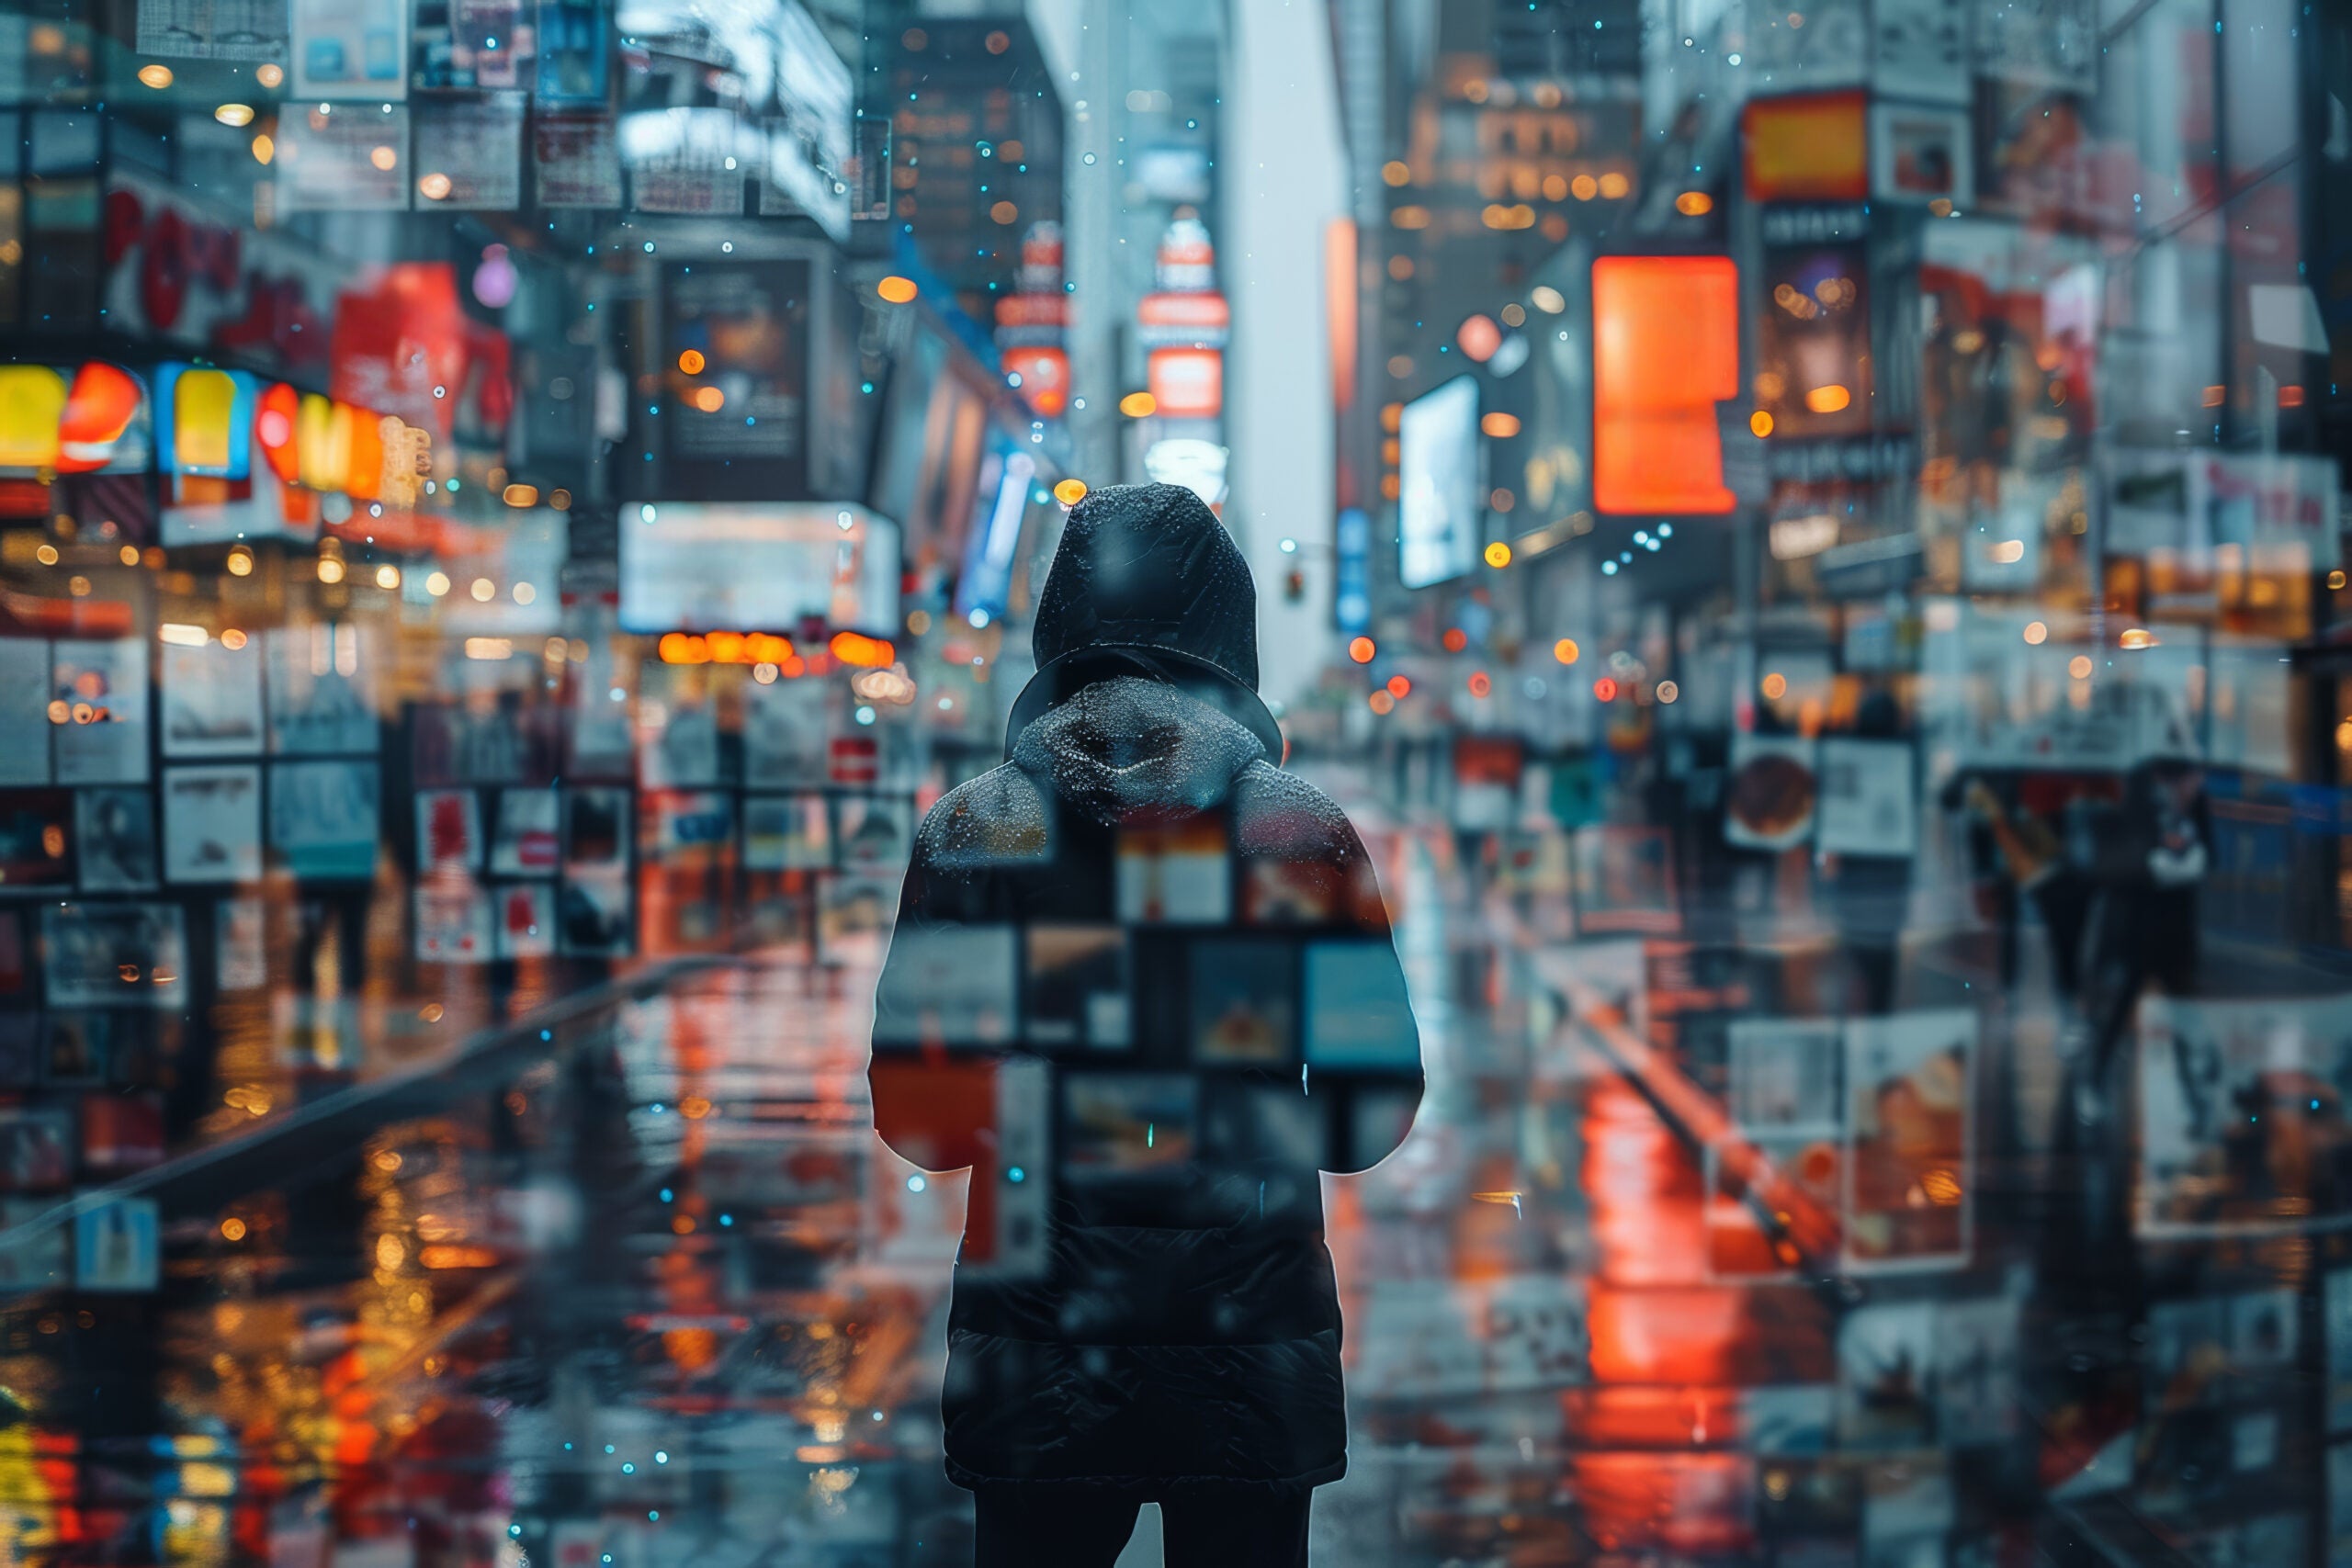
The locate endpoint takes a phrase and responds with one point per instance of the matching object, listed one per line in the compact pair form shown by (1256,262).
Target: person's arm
(930,1106)
(944,1013)
(1385,1093)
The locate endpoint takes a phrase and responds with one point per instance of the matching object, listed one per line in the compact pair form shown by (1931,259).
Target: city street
(891,783)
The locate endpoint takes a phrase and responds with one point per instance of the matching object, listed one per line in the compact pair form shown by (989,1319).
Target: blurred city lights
(1757,967)
(852,648)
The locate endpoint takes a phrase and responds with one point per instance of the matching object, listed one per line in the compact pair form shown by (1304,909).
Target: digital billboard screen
(1440,509)
(691,567)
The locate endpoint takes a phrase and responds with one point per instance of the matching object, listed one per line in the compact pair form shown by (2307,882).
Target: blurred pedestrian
(1870,895)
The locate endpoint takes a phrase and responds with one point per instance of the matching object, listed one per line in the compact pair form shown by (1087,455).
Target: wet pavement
(631,1281)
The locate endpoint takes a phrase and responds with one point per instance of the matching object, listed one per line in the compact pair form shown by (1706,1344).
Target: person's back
(1143,984)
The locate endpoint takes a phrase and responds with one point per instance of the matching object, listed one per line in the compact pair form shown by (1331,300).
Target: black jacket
(1142,983)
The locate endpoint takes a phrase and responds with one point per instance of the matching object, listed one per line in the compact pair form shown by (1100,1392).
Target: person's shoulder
(995,819)
(1281,814)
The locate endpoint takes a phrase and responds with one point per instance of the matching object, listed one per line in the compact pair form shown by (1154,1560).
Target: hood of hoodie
(1128,747)
(1150,567)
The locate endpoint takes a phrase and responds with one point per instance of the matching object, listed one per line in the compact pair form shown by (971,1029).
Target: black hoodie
(1142,983)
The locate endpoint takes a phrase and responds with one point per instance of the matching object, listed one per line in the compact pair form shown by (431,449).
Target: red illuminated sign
(1045,377)
(1183,320)
(1186,383)
(98,410)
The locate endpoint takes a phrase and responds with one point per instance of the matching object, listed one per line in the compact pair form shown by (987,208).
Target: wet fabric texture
(1150,566)
(1131,746)
(1146,583)
(1142,984)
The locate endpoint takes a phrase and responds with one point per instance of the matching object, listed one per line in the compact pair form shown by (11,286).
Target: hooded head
(1148,583)
(1150,567)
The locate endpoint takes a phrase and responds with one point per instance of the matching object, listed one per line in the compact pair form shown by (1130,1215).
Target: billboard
(1007,477)
(1441,511)
(689,566)
(1664,352)
(735,334)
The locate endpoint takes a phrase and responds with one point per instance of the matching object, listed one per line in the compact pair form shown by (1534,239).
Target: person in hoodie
(1142,984)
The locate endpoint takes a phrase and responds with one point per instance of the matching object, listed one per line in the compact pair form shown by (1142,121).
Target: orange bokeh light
(869,652)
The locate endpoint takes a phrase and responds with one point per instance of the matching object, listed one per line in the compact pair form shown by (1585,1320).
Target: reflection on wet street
(1688,1255)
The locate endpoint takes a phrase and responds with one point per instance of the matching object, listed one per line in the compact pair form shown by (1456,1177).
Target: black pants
(1245,1527)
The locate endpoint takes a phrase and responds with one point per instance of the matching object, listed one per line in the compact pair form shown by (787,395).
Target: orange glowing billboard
(1187,383)
(1339,306)
(1811,148)
(1664,352)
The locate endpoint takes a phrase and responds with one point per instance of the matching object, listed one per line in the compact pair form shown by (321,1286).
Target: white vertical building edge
(1283,180)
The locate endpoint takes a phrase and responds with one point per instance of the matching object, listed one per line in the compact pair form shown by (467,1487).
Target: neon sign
(89,426)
